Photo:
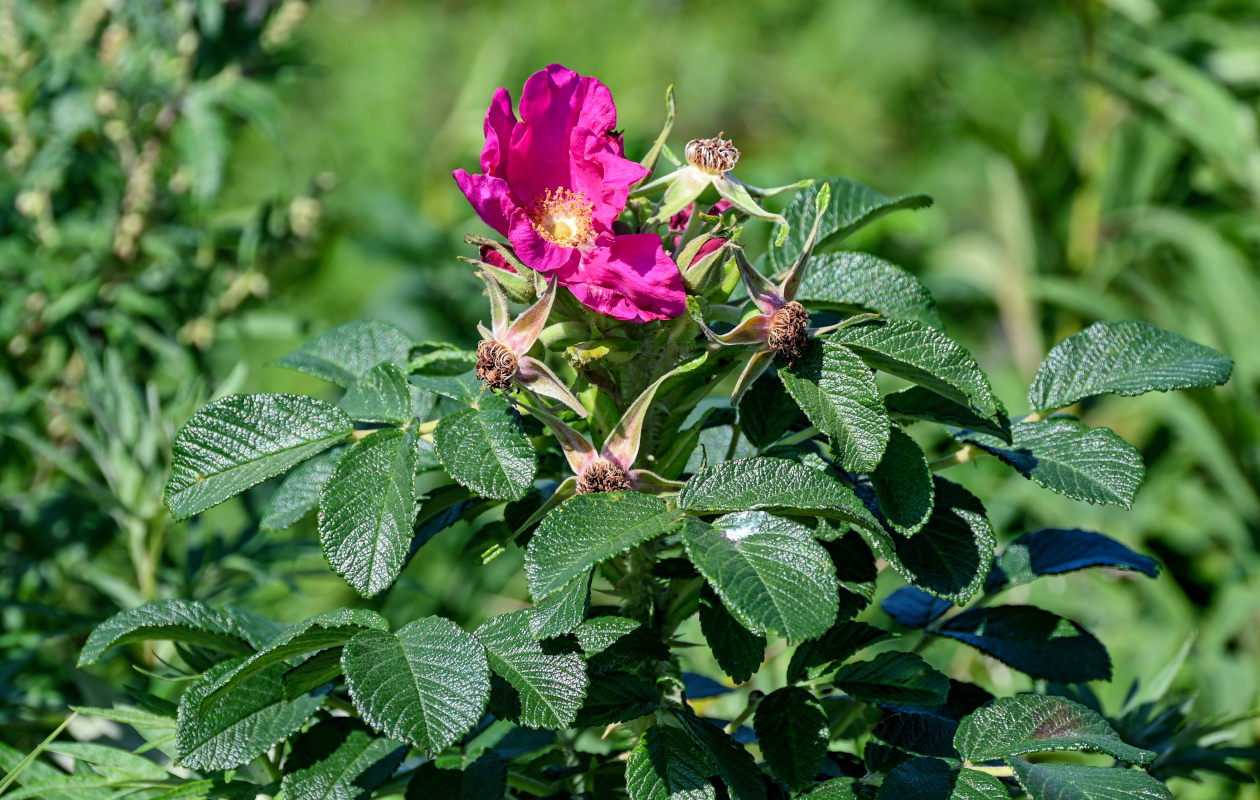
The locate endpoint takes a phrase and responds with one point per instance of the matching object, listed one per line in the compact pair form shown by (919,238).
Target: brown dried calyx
(714,156)
(788,336)
(603,476)
(496,365)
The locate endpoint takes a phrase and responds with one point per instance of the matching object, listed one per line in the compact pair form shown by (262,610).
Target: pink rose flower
(555,181)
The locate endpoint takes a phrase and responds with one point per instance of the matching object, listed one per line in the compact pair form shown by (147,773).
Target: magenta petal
(535,251)
(498,129)
(628,277)
(488,196)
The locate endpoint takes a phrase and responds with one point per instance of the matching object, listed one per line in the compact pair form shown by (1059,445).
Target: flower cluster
(579,216)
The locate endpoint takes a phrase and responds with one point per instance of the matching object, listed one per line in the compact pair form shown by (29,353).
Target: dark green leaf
(667,765)
(839,395)
(766,412)
(770,572)
(735,765)
(737,650)
(1054,551)
(299,494)
(792,730)
(483,779)
(321,668)
(917,403)
(813,658)
(243,724)
(110,761)
(834,789)
(587,529)
(934,779)
(852,205)
(486,449)
(1013,726)
(893,677)
(241,440)
(177,620)
(427,684)
(551,679)
(859,282)
(903,484)
(610,642)
(381,395)
(320,632)
(345,353)
(1032,641)
(772,483)
(462,387)
(367,508)
(616,697)
(339,759)
(915,608)
(951,556)
(1053,781)
(1065,456)
(923,355)
(564,610)
(1126,358)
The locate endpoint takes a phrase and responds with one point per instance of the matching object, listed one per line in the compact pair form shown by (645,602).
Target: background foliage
(190,188)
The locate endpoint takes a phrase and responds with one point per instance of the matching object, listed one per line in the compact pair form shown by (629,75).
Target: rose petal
(498,130)
(488,196)
(628,277)
(536,252)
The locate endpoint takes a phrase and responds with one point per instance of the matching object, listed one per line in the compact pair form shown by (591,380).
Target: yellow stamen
(563,217)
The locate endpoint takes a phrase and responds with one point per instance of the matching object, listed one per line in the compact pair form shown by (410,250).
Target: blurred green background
(1089,160)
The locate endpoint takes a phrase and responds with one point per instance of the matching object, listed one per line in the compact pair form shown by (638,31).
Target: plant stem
(960,456)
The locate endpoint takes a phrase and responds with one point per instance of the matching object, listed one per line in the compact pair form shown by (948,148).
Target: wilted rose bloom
(555,181)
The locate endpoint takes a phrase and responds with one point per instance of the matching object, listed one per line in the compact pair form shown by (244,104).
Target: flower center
(714,156)
(496,365)
(787,331)
(563,217)
(603,476)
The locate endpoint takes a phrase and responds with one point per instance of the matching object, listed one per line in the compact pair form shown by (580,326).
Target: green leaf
(587,529)
(813,658)
(839,395)
(345,353)
(934,779)
(903,484)
(610,642)
(667,765)
(550,678)
(483,779)
(1065,456)
(299,494)
(427,684)
(321,668)
(792,730)
(320,632)
(893,677)
(462,387)
(737,650)
(242,725)
(367,508)
(923,355)
(381,395)
(486,449)
(916,403)
(859,282)
(1027,723)
(778,484)
(1126,358)
(339,759)
(767,411)
(564,610)
(834,789)
(1054,781)
(951,555)
(770,572)
(110,761)
(1054,551)
(1032,641)
(240,440)
(177,620)
(735,765)
(616,697)
(852,205)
